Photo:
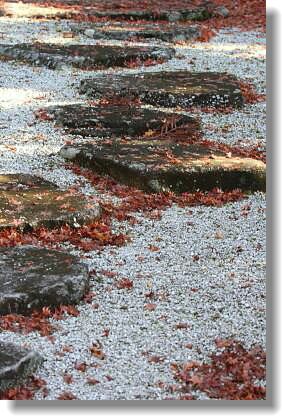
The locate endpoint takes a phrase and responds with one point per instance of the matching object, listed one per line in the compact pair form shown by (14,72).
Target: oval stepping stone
(118,120)
(125,31)
(160,165)
(169,89)
(83,56)
(28,202)
(33,277)
(16,364)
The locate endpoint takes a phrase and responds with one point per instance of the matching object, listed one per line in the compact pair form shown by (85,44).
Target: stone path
(166,32)
(82,56)
(169,89)
(121,120)
(130,128)
(162,166)
(29,202)
(155,11)
(33,277)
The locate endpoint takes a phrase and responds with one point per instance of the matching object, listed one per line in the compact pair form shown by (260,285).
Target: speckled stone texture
(16,364)
(82,56)
(28,202)
(169,89)
(33,277)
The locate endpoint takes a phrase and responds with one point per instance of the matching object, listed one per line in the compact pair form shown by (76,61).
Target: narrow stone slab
(125,31)
(33,277)
(83,56)
(169,89)
(160,165)
(16,365)
(119,120)
(156,11)
(28,202)
(132,10)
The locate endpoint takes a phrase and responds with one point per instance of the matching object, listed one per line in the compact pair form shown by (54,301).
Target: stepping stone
(16,365)
(85,57)
(119,120)
(169,89)
(156,11)
(33,277)
(28,202)
(161,165)
(125,31)
(115,10)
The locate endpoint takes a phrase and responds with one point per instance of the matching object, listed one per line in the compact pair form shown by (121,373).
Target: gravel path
(208,270)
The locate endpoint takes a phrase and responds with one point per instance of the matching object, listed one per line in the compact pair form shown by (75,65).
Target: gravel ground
(222,294)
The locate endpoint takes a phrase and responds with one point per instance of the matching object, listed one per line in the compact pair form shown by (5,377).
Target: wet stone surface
(83,56)
(124,31)
(169,89)
(120,120)
(28,202)
(33,277)
(161,165)
(16,364)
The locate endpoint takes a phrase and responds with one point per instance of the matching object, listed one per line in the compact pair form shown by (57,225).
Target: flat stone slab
(156,11)
(169,89)
(132,10)
(28,202)
(33,277)
(16,364)
(125,31)
(120,120)
(160,165)
(83,56)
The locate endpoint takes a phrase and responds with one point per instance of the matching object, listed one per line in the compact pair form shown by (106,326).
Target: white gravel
(222,294)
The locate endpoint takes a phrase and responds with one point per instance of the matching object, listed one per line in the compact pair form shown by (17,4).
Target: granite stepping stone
(157,10)
(132,10)
(125,31)
(85,57)
(33,277)
(169,89)
(120,120)
(16,364)
(28,202)
(161,165)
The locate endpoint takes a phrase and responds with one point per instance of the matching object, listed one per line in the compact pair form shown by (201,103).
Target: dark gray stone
(191,12)
(33,277)
(125,31)
(16,365)
(118,120)
(28,202)
(82,56)
(169,89)
(156,165)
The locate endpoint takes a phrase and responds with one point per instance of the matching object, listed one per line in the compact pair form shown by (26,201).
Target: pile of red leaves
(37,321)
(246,15)
(25,392)
(249,93)
(135,200)
(88,237)
(233,373)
